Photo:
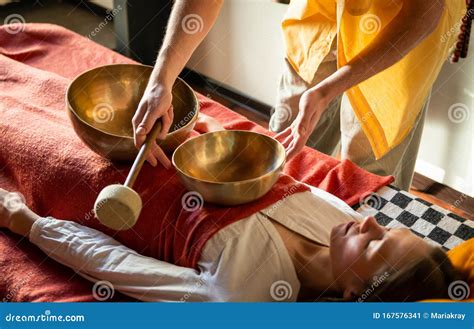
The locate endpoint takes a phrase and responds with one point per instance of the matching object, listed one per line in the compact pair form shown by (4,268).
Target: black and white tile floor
(395,208)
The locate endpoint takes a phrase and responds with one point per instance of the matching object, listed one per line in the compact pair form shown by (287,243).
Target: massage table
(61,52)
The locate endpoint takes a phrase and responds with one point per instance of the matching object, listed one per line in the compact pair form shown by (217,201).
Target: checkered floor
(395,208)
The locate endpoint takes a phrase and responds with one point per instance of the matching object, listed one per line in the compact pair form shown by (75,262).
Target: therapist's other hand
(156,104)
(312,105)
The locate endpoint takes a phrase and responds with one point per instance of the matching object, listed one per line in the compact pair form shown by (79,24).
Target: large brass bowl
(101,103)
(229,167)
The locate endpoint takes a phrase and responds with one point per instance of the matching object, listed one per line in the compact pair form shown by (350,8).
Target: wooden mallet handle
(142,154)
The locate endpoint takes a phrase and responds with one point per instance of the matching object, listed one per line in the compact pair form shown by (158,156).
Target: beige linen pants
(339,128)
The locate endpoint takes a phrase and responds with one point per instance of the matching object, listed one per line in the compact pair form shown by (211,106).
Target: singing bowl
(101,103)
(229,167)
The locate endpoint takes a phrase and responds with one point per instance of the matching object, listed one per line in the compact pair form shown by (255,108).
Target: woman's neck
(312,263)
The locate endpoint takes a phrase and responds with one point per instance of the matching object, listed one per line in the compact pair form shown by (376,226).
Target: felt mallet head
(118,207)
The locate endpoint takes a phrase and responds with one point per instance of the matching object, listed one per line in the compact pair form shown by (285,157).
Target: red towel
(43,159)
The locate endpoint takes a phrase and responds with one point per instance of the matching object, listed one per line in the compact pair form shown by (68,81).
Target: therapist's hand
(312,105)
(154,105)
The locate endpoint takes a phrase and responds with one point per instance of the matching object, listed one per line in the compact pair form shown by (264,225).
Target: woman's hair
(425,278)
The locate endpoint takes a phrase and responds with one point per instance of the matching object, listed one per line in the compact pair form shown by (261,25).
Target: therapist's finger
(290,151)
(166,121)
(162,158)
(151,158)
(286,142)
(138,116)
(297,147)
(146,125)
(139,135)
(283,134)
(157,155)
(289,148)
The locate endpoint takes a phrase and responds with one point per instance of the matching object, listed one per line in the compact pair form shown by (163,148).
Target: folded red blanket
(43,159)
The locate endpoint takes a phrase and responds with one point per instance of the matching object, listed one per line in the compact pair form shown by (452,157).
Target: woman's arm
(416,20)
(98,257)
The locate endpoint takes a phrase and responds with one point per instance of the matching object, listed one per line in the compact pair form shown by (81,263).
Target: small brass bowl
(229,167)
(101,103)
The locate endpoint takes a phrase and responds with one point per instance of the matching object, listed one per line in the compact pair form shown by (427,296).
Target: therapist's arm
(416,20)
(189,23)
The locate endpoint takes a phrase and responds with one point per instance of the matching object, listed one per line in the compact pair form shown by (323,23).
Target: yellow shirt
(388,103)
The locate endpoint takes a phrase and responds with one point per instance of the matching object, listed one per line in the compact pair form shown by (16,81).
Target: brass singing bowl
(229,167)
(101,103)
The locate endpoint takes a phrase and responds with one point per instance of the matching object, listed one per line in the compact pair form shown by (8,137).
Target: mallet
(118,206)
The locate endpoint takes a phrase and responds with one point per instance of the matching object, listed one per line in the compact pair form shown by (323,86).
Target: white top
(245,261)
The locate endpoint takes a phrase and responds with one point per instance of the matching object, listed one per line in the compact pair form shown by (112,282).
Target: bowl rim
(78,117)
(271,172)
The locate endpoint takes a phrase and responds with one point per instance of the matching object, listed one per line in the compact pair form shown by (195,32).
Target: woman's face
(361,251)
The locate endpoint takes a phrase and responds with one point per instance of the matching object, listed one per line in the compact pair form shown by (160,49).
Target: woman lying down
(313,247)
